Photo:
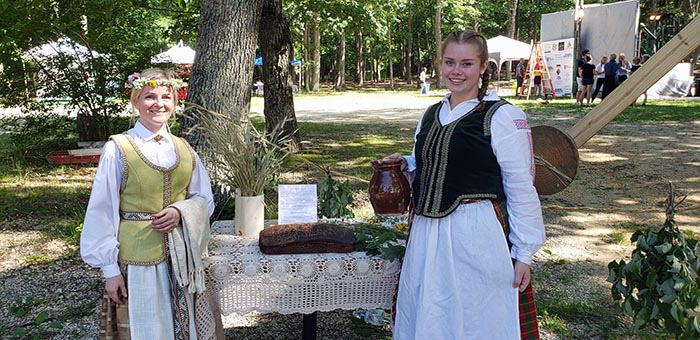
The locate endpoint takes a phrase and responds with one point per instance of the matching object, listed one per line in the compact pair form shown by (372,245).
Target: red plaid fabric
(528,313)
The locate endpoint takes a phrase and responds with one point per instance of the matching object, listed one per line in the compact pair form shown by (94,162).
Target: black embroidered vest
(455,161)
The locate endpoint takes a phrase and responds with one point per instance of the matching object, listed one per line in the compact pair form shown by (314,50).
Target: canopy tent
(259,61)
(62,46)
(178,54)
(502,49)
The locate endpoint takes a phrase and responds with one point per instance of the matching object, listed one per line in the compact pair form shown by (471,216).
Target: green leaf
(674,312)
(20,331)
(642,318)
(664,248)
(393,252)
(43,315)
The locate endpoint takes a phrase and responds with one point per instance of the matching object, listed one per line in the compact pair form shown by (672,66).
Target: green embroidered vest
(455,161)
(146,189)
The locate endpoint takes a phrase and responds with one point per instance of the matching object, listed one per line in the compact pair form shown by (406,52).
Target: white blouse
(98,241)
(511,142)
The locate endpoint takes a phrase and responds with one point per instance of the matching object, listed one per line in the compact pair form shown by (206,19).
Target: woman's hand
(394,157)
(116,289)
(166,220)
(522,275)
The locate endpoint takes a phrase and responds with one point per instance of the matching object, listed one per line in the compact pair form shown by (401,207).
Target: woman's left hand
(522,275)
(166,220)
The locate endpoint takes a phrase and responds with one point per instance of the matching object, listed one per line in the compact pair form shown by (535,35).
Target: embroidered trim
(125,166)
(521,124)
(489,115)
(143,263)
(151,164)
(136,216)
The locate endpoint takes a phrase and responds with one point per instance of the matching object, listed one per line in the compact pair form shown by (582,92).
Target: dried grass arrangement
(240,156)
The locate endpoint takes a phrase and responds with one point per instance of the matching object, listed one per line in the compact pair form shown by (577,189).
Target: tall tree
(276,47)
(340,61)
(316,63)
(223,67)
(438,42)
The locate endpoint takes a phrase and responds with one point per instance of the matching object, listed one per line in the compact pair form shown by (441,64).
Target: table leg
(309,328)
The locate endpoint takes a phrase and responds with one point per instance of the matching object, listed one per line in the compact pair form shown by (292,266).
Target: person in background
(587,74)
(579,91)
(600,73)
(636,64)
(624,70)
(537,83)
(610,69)
(422,78)
(142,173)
(519,76)
(478,220)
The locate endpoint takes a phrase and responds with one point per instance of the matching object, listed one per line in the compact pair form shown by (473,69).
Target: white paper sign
(298,203)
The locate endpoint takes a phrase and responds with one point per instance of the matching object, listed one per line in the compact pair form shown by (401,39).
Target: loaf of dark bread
(302,238)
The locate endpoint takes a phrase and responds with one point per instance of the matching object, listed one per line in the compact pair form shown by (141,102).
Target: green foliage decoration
(385,236)
(659,286)
(334,198)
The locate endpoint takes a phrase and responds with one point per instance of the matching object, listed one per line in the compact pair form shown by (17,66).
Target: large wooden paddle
(556,152)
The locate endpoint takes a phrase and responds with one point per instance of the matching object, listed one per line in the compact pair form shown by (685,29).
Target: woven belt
(136,216)
(469,201)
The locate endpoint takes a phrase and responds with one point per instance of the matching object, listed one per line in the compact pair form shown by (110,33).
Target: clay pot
(389,191)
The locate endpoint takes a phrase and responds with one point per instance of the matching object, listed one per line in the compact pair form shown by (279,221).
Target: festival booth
(503,49)
(180,54)
(604,29)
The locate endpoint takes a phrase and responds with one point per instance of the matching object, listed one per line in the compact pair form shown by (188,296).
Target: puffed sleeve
(511,142)
(98,240)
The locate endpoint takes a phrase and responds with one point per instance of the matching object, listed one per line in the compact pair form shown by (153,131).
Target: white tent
(178,54)
(502,49)
(62,46)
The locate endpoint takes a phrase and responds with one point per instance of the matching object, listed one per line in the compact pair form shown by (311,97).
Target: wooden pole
(681,46)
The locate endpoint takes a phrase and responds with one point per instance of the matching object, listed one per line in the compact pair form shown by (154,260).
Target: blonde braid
(484,87)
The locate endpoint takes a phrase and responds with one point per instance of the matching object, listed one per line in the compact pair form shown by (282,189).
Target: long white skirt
(150,310)
(457,279)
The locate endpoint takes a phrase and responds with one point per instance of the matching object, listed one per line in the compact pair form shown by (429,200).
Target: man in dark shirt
(610,68)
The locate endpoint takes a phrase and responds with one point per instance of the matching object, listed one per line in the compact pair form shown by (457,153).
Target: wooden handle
(682,45)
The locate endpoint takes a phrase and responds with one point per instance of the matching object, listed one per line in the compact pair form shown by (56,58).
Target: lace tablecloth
(246,280)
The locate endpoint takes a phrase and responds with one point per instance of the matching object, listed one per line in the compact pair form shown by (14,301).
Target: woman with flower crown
(147,182)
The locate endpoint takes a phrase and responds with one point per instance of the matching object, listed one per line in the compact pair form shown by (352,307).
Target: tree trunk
(316,72)
(340,62)
(438,43)
(409,47)
(359,59)
(91,127)
(276,47)
(511,34)
(222,72)
(307,58)
(389,59)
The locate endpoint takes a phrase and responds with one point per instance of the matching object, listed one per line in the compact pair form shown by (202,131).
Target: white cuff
(111,270)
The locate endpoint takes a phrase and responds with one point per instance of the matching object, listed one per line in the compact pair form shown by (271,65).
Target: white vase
(249,215)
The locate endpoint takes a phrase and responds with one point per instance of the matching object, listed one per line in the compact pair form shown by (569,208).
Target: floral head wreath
(136,82)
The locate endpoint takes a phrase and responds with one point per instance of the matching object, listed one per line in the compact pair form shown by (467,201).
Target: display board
(560,61)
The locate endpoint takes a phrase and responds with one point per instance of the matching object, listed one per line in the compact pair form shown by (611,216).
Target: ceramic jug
(389,190)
